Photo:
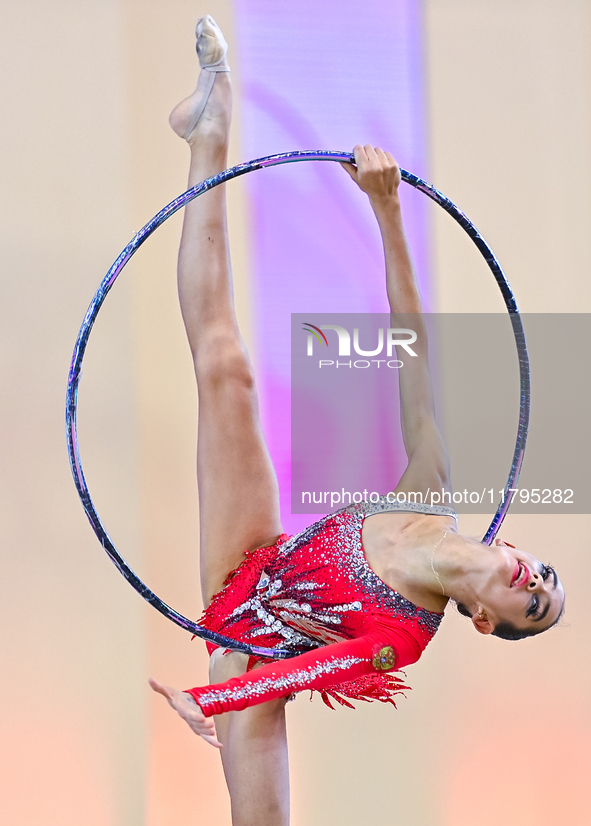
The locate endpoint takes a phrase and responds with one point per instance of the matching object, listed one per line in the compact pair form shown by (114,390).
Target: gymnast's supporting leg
(238,493)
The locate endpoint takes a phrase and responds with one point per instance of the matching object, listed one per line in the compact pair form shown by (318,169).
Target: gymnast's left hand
(186,707)
(375,172)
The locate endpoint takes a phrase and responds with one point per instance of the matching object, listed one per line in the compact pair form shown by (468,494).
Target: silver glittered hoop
(112,275)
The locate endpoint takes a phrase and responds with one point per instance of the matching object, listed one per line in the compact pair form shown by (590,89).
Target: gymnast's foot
(206,113)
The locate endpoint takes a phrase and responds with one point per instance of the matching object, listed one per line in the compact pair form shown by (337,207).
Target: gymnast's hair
(508,631)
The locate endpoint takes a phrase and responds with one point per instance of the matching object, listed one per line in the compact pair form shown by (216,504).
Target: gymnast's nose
(535,581)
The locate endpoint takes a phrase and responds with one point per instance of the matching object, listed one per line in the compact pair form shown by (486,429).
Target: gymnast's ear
(482,623)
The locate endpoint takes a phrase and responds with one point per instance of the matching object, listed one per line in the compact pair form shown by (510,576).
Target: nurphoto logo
(391,340)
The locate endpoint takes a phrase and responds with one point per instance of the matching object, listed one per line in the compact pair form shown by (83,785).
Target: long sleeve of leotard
(384,646)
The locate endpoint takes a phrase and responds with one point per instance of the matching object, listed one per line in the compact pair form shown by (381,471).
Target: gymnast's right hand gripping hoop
(109,280)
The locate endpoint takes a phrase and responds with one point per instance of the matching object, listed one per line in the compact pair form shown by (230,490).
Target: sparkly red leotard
(317,593)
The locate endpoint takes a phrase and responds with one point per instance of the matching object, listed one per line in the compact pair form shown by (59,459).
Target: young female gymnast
(361,597)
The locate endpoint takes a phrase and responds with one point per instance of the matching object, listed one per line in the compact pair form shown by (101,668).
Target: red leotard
(316,591)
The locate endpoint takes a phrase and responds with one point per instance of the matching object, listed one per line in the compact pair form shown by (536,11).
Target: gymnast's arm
(377,174)
(383,647)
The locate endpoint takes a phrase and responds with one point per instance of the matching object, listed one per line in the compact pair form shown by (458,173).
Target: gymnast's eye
(547,570)
(533,609)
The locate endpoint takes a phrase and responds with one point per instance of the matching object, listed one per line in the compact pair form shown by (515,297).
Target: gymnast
(360,597)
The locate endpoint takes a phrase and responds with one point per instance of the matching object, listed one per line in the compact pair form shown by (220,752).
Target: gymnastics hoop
(112,275)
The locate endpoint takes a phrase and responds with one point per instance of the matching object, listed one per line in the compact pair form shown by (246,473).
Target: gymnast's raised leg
(238,492)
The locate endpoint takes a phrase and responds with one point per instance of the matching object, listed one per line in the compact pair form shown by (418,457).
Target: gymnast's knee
(225,664)
(222,360)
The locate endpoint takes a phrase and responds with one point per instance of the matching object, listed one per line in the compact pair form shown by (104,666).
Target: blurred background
(487,99)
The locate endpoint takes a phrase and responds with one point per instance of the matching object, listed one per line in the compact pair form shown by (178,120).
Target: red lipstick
(521,575)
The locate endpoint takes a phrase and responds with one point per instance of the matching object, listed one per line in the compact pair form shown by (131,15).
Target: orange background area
(492,732)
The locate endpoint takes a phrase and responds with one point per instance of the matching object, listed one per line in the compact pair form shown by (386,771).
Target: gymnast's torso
(317,588)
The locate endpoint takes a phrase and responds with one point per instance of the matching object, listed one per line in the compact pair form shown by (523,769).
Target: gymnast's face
(520,590)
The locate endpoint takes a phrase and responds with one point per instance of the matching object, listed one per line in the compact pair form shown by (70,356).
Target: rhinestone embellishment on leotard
(297,680)
(317,588)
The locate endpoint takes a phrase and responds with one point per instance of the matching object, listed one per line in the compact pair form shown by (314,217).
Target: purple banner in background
(322,76)
(345,437)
